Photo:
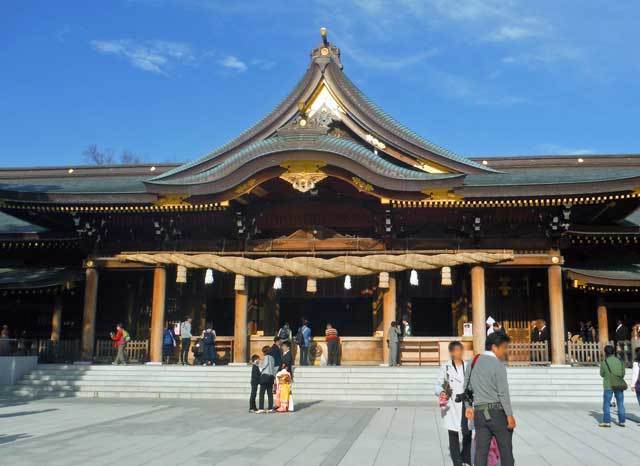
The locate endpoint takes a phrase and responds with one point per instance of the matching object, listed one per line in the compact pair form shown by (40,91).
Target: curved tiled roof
(373,111)
(306,142)
(290,101)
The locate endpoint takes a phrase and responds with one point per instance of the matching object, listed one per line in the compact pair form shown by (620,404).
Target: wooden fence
(419,353)
(135,351)
(526,354)
(584,354)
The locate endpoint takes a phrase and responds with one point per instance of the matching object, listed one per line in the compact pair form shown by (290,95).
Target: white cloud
(155,56)
(555,149)
(233,63)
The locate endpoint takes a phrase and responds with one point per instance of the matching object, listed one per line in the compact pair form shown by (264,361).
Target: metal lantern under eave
(446,276)
(181,274)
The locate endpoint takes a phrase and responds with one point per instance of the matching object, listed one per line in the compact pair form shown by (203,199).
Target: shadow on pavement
(26,413)
(12,438)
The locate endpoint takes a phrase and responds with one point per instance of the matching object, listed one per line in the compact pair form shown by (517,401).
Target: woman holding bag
(449,384)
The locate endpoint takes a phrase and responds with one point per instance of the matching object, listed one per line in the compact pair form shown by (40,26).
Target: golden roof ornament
(326,52)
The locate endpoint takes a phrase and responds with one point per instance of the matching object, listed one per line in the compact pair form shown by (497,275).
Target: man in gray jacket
(393,340)
(185,339)
(491,413)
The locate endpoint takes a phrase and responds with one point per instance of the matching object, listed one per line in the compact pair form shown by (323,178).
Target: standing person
(287,357)
(622,332)
(591,332)
(283,379)
(449,385)
(406,328)
(622,342)
(497,328)
(208,340)
(276,352)
(393,340)
(331,336)
(185,340)
(491,412)
(285,332)
(635,339)
(544,332)
(168,343)
(5,344)
(118,343)
(535,332)
(267,376)
(635,379)
(255,382)
(613,384)
(489,322)
(303,340)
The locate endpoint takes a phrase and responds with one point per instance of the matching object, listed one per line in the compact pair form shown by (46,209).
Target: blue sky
(171,80)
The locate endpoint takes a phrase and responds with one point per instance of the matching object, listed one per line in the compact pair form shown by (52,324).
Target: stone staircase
(562,384)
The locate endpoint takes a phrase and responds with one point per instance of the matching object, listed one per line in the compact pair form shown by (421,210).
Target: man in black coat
(543,333)
(287,357)
(276,352)
(622,332)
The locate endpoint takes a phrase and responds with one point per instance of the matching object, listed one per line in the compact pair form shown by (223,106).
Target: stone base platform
(412,384)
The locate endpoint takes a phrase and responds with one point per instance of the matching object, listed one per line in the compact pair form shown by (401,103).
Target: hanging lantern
(239,284)
(208,277)
(277,283)
(383,280)
(413,278)
(181,274)
(312,285)
(446,276)
(347,282)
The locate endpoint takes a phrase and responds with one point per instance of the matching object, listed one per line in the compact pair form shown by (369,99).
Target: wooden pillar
(478,308)
(603,323)
(388,315)
(556,315)
(157,314)
(56,318)
(240,328)
(89,314)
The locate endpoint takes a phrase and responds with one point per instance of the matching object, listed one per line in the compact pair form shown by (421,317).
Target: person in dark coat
(622,332)
(275,352)
(287,358)
(544,334)
(255,382)
(535,332)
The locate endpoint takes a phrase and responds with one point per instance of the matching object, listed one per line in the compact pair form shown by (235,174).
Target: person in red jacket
(118,343)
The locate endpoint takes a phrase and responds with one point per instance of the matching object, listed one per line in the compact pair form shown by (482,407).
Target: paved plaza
(131,432)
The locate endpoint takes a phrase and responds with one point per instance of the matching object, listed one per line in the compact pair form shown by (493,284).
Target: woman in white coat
(450,383)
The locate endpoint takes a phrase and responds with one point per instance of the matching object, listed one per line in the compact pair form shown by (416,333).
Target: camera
(465,397)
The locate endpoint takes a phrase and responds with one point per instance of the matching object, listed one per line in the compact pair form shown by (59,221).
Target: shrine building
(330,210)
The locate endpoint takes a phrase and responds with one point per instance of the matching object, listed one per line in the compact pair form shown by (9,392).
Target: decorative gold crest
(362,185)
(172,199)
(246,186)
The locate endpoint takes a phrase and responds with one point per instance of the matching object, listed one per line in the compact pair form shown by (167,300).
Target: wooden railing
(135,351)
(584,354)
(526,354)
(419,353)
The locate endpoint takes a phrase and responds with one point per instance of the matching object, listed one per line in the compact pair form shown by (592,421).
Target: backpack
(127,337)
(208,338)
(283,334)
(299,337)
